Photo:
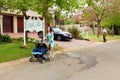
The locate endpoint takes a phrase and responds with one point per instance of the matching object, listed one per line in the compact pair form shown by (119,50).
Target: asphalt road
(101,62)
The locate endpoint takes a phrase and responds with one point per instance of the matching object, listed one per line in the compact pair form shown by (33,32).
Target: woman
(50,41)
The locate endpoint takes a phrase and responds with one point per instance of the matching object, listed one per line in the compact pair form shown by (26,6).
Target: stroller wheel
(49,59)
(42,61)
(31,59)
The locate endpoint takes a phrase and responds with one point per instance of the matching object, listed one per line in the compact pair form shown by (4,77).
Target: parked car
(58,34)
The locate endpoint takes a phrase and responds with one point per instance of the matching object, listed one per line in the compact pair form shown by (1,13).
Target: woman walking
(50,41)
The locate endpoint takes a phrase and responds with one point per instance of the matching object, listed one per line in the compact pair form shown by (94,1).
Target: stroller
(41,52)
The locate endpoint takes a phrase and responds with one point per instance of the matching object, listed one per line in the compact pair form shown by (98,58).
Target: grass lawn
(92,37)
(12,51)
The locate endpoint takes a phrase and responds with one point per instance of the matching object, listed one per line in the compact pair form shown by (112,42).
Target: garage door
(20,24)
(7,24)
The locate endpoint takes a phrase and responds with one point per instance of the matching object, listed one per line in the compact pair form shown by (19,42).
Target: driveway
(76,44)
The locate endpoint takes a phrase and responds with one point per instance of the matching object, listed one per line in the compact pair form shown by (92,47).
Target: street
(100,62)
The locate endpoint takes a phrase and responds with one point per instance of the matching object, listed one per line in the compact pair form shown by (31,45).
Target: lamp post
(52,11)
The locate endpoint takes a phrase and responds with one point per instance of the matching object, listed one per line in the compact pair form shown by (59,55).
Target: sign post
(24,32)
(33,24)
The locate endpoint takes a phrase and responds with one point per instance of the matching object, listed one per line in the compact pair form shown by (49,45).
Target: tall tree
(42,8)
(98,8)
(113,15)
(3,5)
(21,6)
(67,6)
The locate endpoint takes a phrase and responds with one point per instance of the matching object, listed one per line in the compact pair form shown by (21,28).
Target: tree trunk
(46,25)
(0,23)
(0,29)
(93,28)
(98,29)
(112,30)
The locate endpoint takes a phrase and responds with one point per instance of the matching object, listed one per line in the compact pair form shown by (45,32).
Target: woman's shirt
(50,37)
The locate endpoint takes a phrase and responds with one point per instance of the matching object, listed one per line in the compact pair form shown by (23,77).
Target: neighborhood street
(101,62)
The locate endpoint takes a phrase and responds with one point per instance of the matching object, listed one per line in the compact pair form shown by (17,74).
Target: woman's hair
(49,29)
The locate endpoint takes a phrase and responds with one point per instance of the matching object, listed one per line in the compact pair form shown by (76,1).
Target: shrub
(20,39)
(5,38)
(31,39)
(74,31)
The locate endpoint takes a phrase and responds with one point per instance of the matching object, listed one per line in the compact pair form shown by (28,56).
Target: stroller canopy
(40,48)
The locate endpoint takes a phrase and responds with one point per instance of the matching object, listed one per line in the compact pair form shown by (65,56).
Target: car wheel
(59,38)
(49,59)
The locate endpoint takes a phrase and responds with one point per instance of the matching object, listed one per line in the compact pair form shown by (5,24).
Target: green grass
(12,51)
(92,37)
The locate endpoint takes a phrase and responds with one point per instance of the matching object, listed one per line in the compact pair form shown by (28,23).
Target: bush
(20,39)
(31,39)
(74,31)
(5,38)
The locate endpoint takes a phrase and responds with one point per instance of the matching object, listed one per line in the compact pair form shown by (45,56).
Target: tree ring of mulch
(25,47)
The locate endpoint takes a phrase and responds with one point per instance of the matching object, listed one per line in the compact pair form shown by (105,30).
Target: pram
(41,51)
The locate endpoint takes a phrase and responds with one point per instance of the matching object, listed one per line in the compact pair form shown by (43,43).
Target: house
(11,22)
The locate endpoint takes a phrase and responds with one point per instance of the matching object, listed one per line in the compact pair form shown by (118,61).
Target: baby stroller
(41,52)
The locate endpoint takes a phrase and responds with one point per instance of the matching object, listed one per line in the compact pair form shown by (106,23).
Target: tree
(113,15)
(3,5)
(67,8)
(42,8)
(98,8)
(61,6)
(21,6)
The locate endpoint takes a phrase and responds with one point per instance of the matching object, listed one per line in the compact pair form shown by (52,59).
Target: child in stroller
(41,51)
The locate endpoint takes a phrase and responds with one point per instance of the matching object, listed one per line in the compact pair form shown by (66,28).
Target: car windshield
(57,30)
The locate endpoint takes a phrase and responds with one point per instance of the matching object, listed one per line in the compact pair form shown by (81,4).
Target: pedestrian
(50,41)
(104,32)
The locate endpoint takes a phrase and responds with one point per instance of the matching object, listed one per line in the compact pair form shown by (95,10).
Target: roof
(15,12)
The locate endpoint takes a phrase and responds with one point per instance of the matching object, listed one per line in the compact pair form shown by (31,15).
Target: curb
(5,64)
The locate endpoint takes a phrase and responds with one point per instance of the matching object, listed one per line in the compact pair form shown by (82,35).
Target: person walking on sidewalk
(104,32)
